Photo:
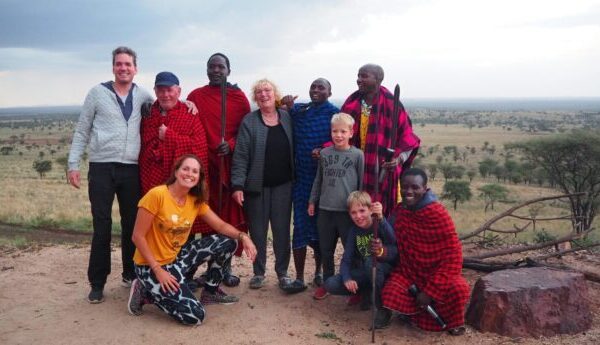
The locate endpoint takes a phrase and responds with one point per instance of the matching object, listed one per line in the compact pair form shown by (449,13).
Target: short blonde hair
(359,197)
(344,119)
(263,82)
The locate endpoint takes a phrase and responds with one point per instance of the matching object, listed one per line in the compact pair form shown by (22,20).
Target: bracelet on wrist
(380,254)
(241,235)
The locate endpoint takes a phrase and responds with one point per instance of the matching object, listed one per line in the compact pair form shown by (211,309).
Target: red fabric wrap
(382,111)
(185,134)
(430,256)
(208,101)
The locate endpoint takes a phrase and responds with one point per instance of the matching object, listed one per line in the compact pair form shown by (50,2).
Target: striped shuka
(406,140)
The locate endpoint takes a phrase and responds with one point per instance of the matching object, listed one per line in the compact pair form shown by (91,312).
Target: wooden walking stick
(222,158)
(375,230)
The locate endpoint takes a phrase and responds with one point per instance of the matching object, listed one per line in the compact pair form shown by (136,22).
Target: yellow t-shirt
(171,224)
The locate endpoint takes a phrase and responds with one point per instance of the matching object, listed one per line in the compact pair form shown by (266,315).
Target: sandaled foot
(457,331)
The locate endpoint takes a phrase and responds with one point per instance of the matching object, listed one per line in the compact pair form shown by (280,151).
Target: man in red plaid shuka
(430,256)
(208,101)
(372,107)
(167,133)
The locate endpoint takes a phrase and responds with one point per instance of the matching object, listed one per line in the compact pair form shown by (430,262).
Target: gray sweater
(102,126)
(248,162)
(340,172)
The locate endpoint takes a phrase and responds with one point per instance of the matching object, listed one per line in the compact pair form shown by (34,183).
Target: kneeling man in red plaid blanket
(430,257)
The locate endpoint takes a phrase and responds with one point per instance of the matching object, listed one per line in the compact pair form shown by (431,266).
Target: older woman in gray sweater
(262,172)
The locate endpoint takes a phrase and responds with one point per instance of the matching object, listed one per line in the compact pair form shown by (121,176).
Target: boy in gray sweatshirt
(340,172)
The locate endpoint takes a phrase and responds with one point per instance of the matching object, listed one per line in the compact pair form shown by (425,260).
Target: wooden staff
(222,158)
(375,230)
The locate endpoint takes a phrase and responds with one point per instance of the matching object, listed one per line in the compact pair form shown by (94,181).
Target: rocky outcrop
(535,302)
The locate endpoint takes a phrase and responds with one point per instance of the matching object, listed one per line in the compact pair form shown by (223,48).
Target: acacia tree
(42,167)
(572,162)
(457,191)
(491,193)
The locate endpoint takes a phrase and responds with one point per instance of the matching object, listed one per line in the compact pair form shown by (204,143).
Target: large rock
(533,301)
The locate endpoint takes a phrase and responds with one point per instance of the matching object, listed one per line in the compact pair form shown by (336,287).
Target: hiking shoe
(318,280)
(136,298)
(320,293)
(231,280)
(96,295)
(219,297)
(257,282)
(126,282)
(383,318)
(354,299)
(294,287)
(285,282)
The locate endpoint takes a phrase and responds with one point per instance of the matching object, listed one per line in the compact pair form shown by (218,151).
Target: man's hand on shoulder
(192,109)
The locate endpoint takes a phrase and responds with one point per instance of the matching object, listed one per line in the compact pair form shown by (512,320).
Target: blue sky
(53,52)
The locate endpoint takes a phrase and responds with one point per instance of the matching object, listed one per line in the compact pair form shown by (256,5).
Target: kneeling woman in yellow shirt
(162,258)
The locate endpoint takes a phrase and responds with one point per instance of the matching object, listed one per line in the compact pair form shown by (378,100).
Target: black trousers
(105,181)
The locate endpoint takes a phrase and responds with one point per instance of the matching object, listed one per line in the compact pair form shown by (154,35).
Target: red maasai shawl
(185,134)
(406,140)
(430,256)
(208,101)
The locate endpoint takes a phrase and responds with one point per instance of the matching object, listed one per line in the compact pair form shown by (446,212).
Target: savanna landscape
(475,165)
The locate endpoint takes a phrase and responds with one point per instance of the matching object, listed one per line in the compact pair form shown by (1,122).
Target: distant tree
(499,172)
(471,174)
(63,161)
(446,170)
(458,171)
(439,159)
(491,193)
(486,167)
(6,150)
(433,169)
(42,167)
(457,191)
(41,154)
(572,162)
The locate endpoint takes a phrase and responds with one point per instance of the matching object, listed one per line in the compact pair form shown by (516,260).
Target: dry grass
(27,199)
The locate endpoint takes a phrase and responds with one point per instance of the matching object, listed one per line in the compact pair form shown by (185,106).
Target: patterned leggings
(182,305)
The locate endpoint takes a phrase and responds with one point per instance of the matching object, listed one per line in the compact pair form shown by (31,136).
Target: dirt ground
(42,301)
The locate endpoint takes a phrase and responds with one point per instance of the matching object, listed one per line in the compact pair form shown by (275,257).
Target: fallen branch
(514,250)
(510,211)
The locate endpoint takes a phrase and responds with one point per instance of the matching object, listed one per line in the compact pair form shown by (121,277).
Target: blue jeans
(362,275)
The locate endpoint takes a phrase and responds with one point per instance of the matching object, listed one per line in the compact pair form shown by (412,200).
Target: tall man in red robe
(208,101)
(372,107)
(430,257)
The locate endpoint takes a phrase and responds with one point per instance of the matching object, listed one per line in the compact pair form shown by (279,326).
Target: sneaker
(136,298)
(96,295)
(285,282)
(354,299)
(126,282)
(231,280)
(219,297)
(294,287)
(257,282)
(383,318)
(318,280)
(320,293)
